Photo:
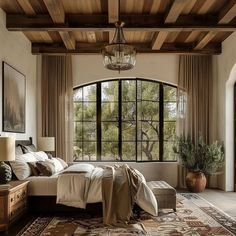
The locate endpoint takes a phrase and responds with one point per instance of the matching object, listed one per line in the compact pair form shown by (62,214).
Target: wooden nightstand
(13,202)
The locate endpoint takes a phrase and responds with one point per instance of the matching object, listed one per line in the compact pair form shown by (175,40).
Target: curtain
(195,99)
(57,103)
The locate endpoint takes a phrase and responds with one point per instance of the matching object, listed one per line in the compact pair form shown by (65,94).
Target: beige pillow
(63,163)
(34,169)
(46,168)
(21,169)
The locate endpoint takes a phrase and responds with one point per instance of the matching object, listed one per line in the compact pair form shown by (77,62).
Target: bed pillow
(81,167)
(40,156)
(28,157)
(28,148)
(63,163)
(57,164)
(18,151)
(34,169)
(46,168)
(21,169)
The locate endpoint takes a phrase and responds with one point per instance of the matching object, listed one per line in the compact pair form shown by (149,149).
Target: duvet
(117,187)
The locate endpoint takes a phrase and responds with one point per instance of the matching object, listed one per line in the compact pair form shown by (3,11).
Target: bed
(44,191)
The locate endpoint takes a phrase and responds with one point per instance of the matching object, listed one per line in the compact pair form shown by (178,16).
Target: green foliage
(141,101)
(202,157)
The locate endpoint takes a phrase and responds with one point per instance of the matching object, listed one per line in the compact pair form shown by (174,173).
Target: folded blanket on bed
(118,187)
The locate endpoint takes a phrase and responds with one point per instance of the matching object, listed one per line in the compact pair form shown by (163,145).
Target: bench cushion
(161,188)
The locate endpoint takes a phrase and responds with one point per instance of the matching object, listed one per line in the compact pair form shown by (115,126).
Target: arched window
(124,120)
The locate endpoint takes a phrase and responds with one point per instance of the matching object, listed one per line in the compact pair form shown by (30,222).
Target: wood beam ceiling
(27,8)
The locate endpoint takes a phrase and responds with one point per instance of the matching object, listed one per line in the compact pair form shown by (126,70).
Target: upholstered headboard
(24,142)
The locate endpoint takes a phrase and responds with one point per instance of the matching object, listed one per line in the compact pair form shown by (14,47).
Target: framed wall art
(14,93)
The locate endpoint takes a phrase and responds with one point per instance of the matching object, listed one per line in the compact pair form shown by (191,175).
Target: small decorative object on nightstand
(46,144)
(13,202)
(7,153)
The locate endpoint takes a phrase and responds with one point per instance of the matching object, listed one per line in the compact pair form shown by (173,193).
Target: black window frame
(120,102)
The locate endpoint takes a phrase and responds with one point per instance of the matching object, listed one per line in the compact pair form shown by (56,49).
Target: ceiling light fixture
(118,55)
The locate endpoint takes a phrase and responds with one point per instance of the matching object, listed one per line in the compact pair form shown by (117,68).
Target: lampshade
(118,55)
(46,144)
(7,149)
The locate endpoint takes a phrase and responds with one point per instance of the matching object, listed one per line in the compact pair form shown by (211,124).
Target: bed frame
(47,204)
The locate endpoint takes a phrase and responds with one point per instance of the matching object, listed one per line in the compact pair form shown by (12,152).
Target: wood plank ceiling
(152,26)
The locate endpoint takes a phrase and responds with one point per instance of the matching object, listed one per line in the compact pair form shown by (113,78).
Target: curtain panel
(195,101)
(57,103)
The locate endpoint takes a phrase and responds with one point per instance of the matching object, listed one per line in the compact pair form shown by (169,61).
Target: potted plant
(199,159)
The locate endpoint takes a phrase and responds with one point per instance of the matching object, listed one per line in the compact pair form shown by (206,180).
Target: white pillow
(80,168)
(64,164)
(28,157)
(56,163)
(40,156)
(21,169)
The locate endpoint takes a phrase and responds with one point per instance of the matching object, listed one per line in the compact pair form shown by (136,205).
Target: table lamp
(7,153)
(46,144)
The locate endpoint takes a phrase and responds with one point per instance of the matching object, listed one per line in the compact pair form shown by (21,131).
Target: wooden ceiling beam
(228,13)
(158,40)
(175,10)
(56,11)
(207,4)
(27,7)
(138,23)
(68,39)
(94,48)
(113,11)
(205,40)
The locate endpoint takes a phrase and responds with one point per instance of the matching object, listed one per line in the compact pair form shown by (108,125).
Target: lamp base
(5,173)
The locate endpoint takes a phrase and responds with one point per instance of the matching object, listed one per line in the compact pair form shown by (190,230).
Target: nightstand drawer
(18,196)
(17,210)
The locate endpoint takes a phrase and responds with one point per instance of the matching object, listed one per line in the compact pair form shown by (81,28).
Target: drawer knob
(11,199)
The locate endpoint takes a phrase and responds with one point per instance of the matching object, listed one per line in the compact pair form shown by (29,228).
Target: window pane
(148,111)
(78,131)
(77,151)
(89,111)
(78,107)
(128,131)
(129,151)
(110,151)
(89,131)
(169,131)
(170,93)
(148,90)
(129,111)
(110,91)
(89,93)
(109,131)
(77,95)
(170,111)
(168,152)
(110,111)
(150,151)
(89,151)
(148,131)
(128,90)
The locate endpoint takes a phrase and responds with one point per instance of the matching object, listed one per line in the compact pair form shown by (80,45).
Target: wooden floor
(225,201)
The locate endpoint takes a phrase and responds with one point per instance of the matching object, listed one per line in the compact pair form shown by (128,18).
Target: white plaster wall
(161,67)
(15,49)
(226,80)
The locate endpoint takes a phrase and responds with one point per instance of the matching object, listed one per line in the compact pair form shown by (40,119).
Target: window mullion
(120,119)
(98,117)
(161,121)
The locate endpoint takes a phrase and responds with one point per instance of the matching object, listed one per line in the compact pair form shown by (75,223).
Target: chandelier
(118,55)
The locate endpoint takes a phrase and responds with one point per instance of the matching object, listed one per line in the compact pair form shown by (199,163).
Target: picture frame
(13,99)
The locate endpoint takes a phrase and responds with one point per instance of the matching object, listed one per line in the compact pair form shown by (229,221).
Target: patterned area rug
(195,216)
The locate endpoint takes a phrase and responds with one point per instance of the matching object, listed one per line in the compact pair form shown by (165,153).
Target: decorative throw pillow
(28,148)
(34,169)
(63,163)
(23,148)
(21,169)
(46,168)
(57,164)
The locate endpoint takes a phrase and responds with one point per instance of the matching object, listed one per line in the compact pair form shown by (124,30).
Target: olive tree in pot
(199,159)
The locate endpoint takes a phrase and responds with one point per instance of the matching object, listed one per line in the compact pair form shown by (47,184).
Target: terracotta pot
(195,181)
